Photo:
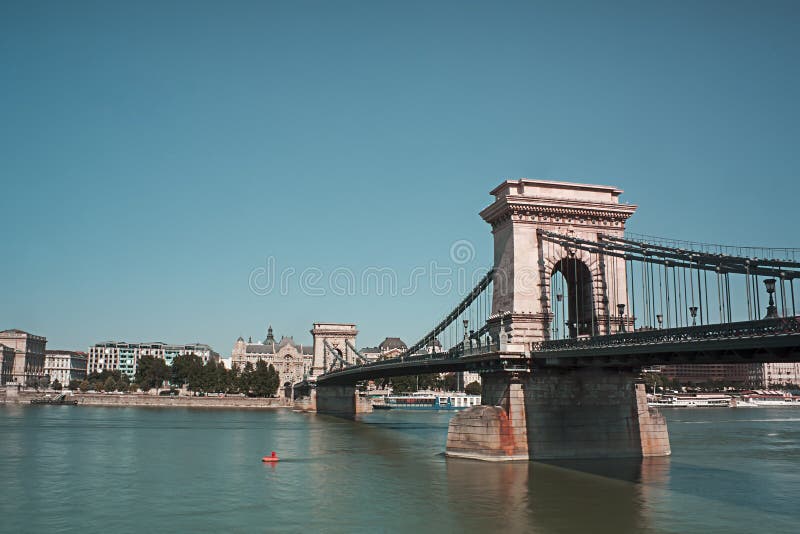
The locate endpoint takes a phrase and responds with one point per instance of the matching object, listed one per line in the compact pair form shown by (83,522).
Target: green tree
(74,384)
(84,386)
(109,385)
(186,369)
(123,383)
(56,385)
(404,384)
(473,388)
(246,378)
(265,380)
(151,372)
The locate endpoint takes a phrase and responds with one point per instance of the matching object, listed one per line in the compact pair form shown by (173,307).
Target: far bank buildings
(293,361)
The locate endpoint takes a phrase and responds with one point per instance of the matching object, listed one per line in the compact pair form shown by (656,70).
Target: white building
(28,354)
(767,375)
(123,356)
(65,366)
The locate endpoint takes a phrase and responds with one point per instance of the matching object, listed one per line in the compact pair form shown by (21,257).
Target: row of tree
(261,380)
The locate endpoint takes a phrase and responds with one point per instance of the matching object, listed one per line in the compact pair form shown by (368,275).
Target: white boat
(429,400)
(701,400)
(759,400)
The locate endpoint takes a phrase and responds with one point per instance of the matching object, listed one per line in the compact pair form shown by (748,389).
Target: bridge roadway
(767,340)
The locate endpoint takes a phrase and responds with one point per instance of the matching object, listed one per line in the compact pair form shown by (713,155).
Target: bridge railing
(763,327)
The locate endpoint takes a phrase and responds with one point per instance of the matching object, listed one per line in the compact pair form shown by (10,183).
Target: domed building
(292,360)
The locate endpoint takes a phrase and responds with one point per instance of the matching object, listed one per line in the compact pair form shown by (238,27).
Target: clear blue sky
(153,154)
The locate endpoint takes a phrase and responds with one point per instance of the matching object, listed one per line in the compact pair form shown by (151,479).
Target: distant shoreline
(144,400)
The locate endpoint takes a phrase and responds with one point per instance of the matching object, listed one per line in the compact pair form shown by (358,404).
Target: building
(728,374)
(6,364)
(29,351)
(391,347)
(123,356)
(766,375)
(293,361)
(65,365)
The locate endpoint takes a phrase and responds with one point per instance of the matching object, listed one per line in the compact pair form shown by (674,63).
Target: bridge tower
(338,337)
(525,264)
(551,412)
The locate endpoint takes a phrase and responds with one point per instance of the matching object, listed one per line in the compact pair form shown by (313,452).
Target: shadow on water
(564,496)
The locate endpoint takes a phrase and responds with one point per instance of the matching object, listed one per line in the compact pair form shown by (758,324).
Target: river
(119,470)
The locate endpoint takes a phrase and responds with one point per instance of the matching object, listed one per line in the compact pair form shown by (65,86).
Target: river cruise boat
(428,400)
(700,400)
(754,400)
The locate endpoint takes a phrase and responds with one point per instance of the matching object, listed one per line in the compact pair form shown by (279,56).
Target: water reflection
(564,496)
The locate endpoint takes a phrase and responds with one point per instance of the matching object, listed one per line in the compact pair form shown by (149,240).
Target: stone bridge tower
(551,412)
(341,337)
(525,263)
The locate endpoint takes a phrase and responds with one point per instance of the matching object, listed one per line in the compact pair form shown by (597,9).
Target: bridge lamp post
(621,312)
(772,310)
(693,311)
(660,319)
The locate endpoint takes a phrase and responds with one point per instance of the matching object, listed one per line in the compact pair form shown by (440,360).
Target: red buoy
(272,458)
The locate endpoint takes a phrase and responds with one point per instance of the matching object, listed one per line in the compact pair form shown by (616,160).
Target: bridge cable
(633,295)
(747,287)
(666,296)
(700,297)
(705,280)
(783,297)
(728,293)
(685,300)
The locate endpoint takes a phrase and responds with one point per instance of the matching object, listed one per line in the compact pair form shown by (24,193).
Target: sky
(157,158)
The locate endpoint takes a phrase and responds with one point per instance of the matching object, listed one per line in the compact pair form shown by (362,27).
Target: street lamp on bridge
(660,319)
(772,310)
(693,311)
(621,312)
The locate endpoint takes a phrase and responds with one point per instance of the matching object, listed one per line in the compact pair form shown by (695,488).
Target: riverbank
(142,399)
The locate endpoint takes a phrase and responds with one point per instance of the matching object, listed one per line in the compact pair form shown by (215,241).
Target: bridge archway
(571,299)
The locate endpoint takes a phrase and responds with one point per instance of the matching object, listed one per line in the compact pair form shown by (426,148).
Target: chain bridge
(563,323)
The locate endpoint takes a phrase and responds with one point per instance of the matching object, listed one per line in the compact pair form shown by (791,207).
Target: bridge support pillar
(341,401)
(556,413)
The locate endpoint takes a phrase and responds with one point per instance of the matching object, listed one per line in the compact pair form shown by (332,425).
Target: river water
(119,470)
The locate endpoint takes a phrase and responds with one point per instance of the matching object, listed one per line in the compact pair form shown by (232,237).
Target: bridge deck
(769,340)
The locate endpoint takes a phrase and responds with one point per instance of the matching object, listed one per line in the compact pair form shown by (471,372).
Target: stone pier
(340,400)
(555,413)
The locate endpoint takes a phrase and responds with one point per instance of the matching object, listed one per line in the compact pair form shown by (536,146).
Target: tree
(407,384)
(473,388)
(265,381)
(84,386)
(246,378)
(109,385)
(56,385)
(74,384)
(123,383)
(151,372)
(43,382)
(404,384)
(186,369)
(449,382)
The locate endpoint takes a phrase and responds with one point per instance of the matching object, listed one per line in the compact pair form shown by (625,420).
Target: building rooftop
(70,352)
(392,343)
